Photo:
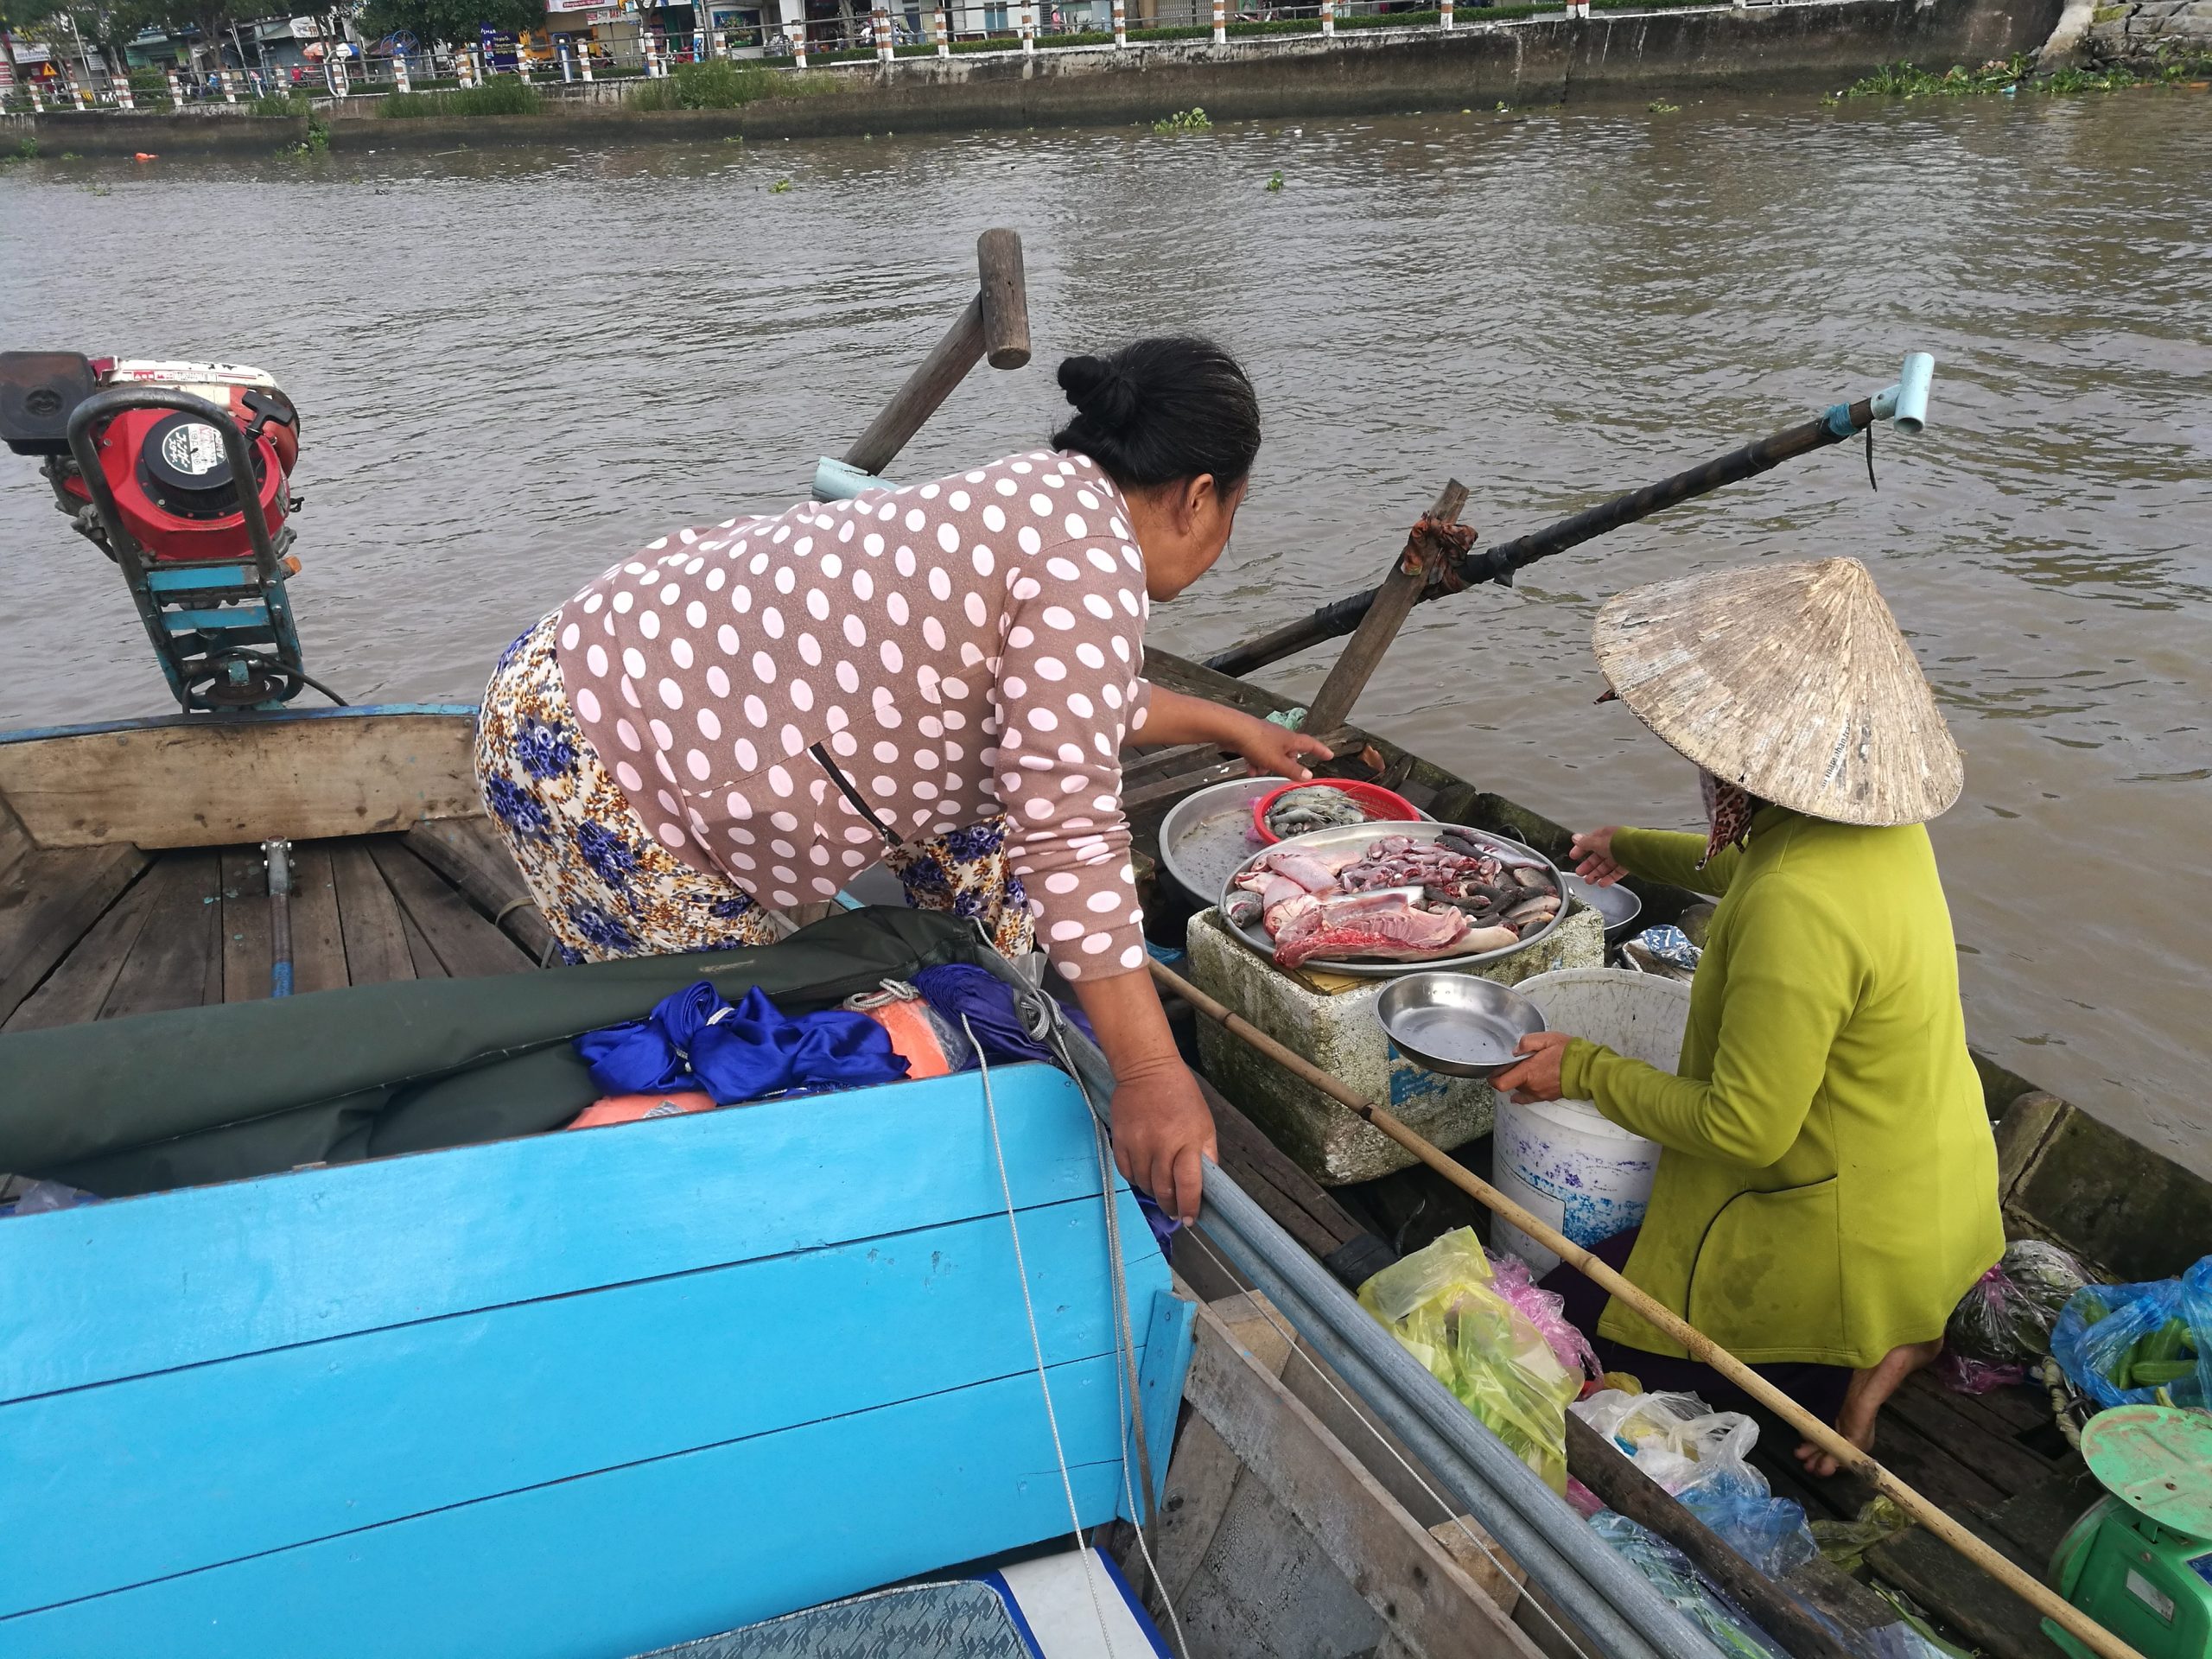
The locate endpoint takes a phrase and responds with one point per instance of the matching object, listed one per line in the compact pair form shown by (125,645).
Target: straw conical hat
(1791,680)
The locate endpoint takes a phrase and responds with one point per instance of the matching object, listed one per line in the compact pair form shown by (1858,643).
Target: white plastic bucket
(1561,1158)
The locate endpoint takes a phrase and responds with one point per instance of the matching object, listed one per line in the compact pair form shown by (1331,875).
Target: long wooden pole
(1393,602)
(1700,1346)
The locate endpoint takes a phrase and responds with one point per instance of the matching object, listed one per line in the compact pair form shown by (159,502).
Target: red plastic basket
(1378,802)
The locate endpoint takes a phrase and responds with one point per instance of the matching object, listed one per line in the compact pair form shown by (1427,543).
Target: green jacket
(1827,1188)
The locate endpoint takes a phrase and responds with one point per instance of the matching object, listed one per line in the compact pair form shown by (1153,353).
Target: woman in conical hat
(1827,1188)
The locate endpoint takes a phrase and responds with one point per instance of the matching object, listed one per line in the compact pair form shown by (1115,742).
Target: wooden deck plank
(1982,1442)
(1934,1469)
(75,991)
(473,856)
(318,942)
(177,961)
(369,920)
(247,955)
(464,945)
(2035,1520)
(1962,1596)
(49,899)
(426,965)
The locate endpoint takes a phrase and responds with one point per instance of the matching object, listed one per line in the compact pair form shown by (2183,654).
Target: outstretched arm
(1174,717)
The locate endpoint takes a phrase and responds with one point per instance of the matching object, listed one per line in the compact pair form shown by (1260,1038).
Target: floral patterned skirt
(608,889)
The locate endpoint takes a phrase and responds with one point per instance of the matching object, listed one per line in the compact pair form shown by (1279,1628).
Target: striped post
(123,100)
(1328,19)
(1443,14)
(230,87)
(880,26)
(38,104)
(799,43)
(1120,24)
(176,90)
(1220,23)
(583,59)
(400,82)
(76,92)
(940,23)
(718,43)
(339,86)
(1028,32)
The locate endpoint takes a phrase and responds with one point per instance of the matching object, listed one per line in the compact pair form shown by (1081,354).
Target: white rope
(1037,1347)
(1290,1337)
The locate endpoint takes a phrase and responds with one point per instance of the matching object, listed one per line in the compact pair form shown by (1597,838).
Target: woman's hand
(1535,1077)
(1162,1129)
(1592,853)
(1273,748)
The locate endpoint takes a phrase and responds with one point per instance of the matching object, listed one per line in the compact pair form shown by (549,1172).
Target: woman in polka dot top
(940,677)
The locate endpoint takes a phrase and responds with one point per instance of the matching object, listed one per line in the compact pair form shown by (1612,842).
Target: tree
(113,24)
(16,17)
(451,21)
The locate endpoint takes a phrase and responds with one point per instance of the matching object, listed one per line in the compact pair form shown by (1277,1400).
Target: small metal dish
(1616,906)
(1456,1024)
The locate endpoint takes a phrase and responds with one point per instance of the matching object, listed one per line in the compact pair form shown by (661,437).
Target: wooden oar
(1905,403)
(1700,1346)
(995,325)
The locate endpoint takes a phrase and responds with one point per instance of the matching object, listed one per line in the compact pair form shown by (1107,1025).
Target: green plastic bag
(1440,1304)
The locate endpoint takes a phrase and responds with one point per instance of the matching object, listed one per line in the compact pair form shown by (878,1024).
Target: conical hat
(1791,680)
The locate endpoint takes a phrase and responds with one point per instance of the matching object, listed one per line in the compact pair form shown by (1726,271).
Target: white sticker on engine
(2150,1596)
(194,449)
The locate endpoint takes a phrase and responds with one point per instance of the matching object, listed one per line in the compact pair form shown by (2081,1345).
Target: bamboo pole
(1700,1346)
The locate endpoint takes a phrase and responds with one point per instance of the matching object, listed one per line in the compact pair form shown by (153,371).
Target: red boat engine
(182,474)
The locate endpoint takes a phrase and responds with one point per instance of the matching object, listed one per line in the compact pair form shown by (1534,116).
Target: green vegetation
(1274,180)
(449,20)
(779,186)
(281,106)
(722,85)
(1193,119)
(25,152)
(317,141)
(1660,106)
(2014,74)
(501,95)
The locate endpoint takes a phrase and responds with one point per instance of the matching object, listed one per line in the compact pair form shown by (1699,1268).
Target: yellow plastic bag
(1439,1303)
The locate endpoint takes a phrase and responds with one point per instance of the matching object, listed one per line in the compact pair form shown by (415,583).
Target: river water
(514,366)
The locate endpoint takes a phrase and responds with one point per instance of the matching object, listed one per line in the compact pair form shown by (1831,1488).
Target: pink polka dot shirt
(960,648)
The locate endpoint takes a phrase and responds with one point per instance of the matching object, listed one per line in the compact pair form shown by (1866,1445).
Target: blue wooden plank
(1165,1357)
(119,1484)
(251,615)
(190,578)
(181,1278)
(243,717)
(646,1556)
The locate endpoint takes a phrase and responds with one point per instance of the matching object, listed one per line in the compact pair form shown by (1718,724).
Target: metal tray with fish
(1207,836)
(1352,838)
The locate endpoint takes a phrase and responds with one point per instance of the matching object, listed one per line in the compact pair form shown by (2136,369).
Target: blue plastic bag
(2100,1325)
(1771,1533)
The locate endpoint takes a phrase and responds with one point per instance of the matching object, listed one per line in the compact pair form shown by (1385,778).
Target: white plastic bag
(1678,1439)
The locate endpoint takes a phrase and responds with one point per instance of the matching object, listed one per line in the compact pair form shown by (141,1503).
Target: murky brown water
(515,365)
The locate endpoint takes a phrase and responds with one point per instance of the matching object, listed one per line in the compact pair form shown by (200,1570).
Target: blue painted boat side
(249,717)
(579,1393)
(644,1556)
(523,1395)
(212,1273)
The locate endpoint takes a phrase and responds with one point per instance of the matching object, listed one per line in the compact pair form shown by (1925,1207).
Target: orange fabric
(629,1108)
(907,1021)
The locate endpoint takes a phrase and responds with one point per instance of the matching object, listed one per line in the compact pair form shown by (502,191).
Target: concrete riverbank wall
(1802,46)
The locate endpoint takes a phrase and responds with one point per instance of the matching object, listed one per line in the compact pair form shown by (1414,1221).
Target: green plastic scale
(2139,1562)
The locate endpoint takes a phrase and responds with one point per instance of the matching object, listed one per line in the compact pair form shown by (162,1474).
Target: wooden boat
(132,881)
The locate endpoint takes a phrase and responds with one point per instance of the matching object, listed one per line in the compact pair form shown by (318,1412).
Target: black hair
(1160,410)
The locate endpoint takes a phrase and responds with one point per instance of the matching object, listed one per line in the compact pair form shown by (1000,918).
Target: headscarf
(1728,809)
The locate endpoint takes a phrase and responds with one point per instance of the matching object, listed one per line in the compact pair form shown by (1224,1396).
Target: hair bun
(1101,392)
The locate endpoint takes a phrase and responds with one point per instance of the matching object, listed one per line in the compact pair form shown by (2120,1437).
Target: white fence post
(339,86)
(400,83)
(583,59)
(718,43)
(799,43)
(939,22)
(230,87)
(123,100)
(880,26)
(176,90)
(1120,24)
(1443,14)
(1328,19)
(76,92)
(38,104)
(1028,32)
(1220,23)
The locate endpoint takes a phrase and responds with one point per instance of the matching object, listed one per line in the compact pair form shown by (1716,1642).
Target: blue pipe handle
(1905,404)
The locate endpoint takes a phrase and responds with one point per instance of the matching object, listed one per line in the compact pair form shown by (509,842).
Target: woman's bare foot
(1863,1399)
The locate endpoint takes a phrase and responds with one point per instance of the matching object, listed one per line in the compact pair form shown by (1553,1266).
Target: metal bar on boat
(1903,405)
(2046,1601)
(1613,1604)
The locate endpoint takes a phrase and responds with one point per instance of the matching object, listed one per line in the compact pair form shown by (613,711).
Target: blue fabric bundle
(959,988)
(694,1040)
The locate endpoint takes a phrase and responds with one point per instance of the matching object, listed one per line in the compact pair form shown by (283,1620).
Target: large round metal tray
(1359,835)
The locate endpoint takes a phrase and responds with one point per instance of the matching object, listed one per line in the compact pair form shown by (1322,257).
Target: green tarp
(217,1094)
